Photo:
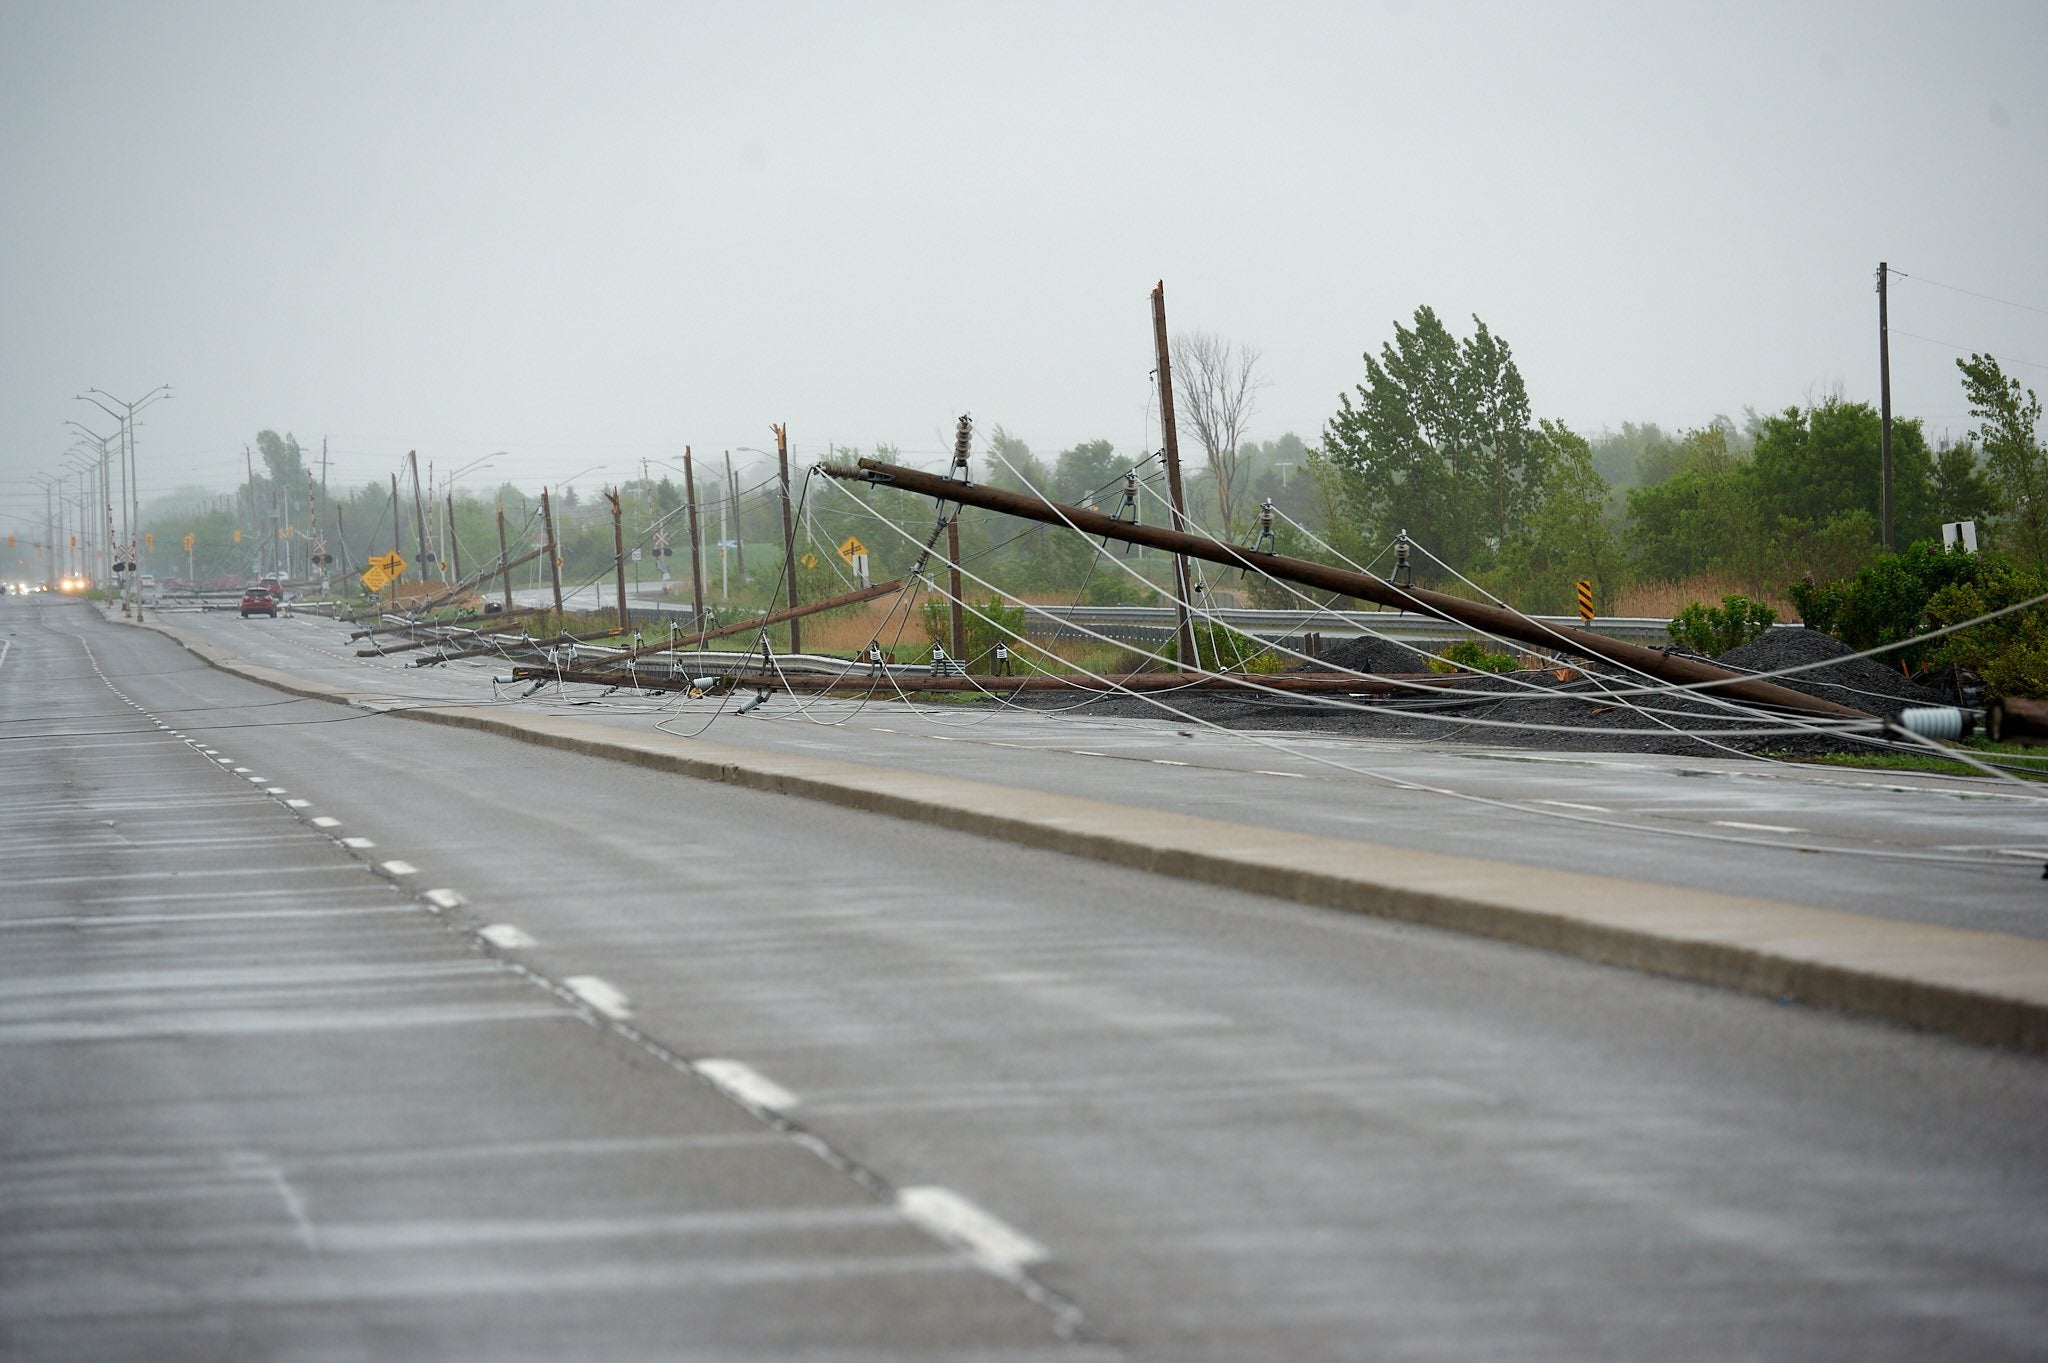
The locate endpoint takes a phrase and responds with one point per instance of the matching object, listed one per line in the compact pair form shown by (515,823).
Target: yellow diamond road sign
(852,549)
(383,570)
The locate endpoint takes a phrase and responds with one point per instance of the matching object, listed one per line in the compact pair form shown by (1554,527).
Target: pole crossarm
(1496,620)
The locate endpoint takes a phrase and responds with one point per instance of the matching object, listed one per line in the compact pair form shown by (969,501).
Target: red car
(258,601)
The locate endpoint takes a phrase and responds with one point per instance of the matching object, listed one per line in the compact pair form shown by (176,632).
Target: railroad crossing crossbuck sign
(383,570)
(856,555)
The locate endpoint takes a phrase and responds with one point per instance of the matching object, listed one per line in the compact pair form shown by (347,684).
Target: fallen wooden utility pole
(763,621)
(1495,620)
(859,678)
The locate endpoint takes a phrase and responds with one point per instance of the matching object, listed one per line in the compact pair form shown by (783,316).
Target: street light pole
(131,495)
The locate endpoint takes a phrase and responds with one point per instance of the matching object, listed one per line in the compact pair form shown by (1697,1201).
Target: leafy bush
(1713,630)
(1467,654)
(2009,654)
(1887,601)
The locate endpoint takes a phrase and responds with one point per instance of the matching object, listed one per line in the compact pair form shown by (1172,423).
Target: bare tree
(1216,385)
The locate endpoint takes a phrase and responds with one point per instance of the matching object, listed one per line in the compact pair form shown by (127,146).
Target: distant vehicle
(258,601)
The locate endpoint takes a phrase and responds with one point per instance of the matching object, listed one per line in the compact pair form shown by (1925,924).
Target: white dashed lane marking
(505,937)
(747,1084)
(1755,827)
(601,994)
(400,868)
(953,1218)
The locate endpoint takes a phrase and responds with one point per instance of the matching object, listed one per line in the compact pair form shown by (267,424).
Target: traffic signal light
(188,541)
(238,537)
(149,540)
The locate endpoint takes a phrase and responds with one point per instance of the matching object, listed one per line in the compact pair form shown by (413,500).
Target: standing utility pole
(504,556)
(419,515)
(1186,634)
(547,521)
(395,545)
(739,527)
(454,544)
(1884,390)
(796,629)
(696,550)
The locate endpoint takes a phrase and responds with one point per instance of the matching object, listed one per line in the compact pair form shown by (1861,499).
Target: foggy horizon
(585,237)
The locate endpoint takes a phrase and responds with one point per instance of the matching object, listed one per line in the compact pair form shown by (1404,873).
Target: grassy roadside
(2030,764)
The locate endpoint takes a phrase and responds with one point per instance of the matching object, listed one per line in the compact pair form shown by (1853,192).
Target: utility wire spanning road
(558,1056)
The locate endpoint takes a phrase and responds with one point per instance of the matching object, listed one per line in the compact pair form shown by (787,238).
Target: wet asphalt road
(264,1101)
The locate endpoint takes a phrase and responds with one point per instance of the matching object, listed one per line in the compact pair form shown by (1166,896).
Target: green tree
(1961,491)
(2008,427)
(1812,466)
(1439,442)
(1696,520)
(1567,538)
(1092,468)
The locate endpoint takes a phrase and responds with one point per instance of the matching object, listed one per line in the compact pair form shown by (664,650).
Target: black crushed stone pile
(1866,683)
(1379,657)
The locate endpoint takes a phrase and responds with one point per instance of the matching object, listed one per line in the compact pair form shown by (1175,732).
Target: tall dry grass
(1662,600)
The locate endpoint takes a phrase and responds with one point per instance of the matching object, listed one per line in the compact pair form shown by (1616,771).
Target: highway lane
(1238,1128)
(1956,851)
(260,1102)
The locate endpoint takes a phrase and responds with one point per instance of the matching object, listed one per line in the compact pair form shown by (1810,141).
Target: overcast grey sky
(587,233)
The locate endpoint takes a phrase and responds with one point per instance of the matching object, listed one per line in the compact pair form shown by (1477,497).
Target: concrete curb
(1982,987)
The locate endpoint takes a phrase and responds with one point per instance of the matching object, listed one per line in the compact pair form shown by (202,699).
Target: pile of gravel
(1378,657)
(1864,683)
